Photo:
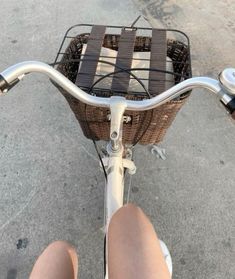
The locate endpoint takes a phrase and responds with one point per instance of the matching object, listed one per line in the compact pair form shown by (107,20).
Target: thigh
(134,250)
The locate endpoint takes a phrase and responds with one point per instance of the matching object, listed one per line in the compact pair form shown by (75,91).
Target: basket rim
(125,27)
(131,28)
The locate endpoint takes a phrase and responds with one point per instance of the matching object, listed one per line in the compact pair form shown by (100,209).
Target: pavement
(50,184)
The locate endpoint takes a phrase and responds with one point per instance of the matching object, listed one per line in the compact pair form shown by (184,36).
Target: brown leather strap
(126,44)
(86,74)
(157,61)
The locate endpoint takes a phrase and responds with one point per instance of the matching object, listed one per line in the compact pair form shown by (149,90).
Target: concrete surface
(50,184)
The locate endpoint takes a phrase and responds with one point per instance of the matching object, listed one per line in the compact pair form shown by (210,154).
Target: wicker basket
(145,127)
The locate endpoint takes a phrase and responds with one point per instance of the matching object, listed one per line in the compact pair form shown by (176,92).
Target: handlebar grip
(5,86)
(230,106)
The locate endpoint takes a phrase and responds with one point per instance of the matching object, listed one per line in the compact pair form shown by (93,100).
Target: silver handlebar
(224,87)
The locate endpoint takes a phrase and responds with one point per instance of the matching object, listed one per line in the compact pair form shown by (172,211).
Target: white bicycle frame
(115,163)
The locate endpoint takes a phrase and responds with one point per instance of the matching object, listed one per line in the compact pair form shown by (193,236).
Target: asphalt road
(50,183)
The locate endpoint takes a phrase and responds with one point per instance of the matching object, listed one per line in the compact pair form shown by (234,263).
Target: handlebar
(224,87)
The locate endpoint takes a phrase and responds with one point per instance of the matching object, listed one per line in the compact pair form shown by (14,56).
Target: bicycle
(115,163)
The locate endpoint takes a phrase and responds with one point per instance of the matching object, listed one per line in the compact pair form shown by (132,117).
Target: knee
(125,214)
(58,258)
(59,245)
(61,249)
(127,210)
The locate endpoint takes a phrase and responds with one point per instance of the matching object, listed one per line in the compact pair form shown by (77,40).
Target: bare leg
(134,250)
(58,261)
